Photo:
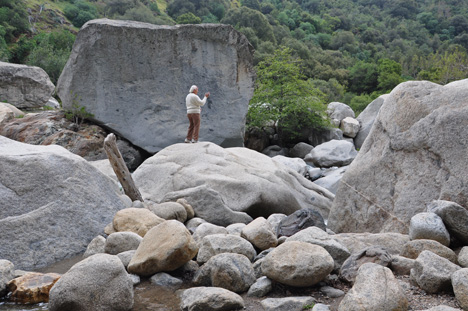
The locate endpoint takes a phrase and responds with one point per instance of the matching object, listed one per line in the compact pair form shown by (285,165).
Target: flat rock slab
(134,78)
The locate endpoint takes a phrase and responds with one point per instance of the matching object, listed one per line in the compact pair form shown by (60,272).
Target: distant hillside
(352,50)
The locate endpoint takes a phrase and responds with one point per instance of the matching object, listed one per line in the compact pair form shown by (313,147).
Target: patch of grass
(308,307)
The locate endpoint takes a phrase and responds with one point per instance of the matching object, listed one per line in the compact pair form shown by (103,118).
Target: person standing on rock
(194,104)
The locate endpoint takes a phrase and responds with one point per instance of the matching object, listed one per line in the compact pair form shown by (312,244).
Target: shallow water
(147,296)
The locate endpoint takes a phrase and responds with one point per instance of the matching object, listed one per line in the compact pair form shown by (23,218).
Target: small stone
(260,288)
(32,287)
(165,280)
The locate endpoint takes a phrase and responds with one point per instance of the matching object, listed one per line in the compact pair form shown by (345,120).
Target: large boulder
(24,86)
(407,160)
(138,220)
(366,119)
(298,264)
(233,272)
(97,283)
(40,183)
(332,153)
(128,73)
(375,288)
(225,186)
(210,299)
(454,216)
(433,273)
(215,244)
(338,111)
(164,248)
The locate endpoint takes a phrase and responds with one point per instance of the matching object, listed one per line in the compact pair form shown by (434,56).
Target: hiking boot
(194,141)
(187,141)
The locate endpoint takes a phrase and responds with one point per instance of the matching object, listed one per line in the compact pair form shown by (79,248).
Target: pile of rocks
(163,242)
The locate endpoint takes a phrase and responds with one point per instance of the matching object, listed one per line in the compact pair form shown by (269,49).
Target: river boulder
(414,154)
(227,185)
(53,203)
(24,86)
(128,73)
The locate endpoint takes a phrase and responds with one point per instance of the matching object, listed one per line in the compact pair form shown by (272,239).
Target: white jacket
(194,103)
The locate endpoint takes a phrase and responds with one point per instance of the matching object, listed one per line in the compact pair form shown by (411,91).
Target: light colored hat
(193,88)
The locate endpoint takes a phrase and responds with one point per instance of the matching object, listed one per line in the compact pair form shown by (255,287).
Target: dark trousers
(194,127)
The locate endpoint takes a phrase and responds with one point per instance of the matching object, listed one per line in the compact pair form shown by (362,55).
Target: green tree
(363,77)
(389,74)
(282,94)
(188,18)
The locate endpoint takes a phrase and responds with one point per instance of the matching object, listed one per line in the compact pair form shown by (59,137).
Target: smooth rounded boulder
(429,226)
(97,283)
(164,248)
(332,153)
(24,86)
(375,288)
(210,299)
(260,234)
(40,182)
(137,220)
(240,183)
(233,272)
(215,244)
(298,264)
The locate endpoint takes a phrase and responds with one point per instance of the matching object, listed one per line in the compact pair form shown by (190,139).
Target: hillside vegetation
(349,50)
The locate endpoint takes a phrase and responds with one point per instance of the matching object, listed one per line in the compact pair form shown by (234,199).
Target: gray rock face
(99,282)
(298,264)
(331,179)
(412,249)
(366,119)
(407,160)
(224,243)
(463,257)
(37,183)
(454,216)
(332,153)
(24,86)
(296,164)
(206,229)
(373,254)
(287,304)
(429,226)
(240,182)
(300,220)
(128,73)
(96,246)
(394,243)
(460,287)
(233,272)
(300,150)
(7,273)
(210,299)
(350,127)
(375,289)
(433,273)
(339,111)
(120,242)
(314,235)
